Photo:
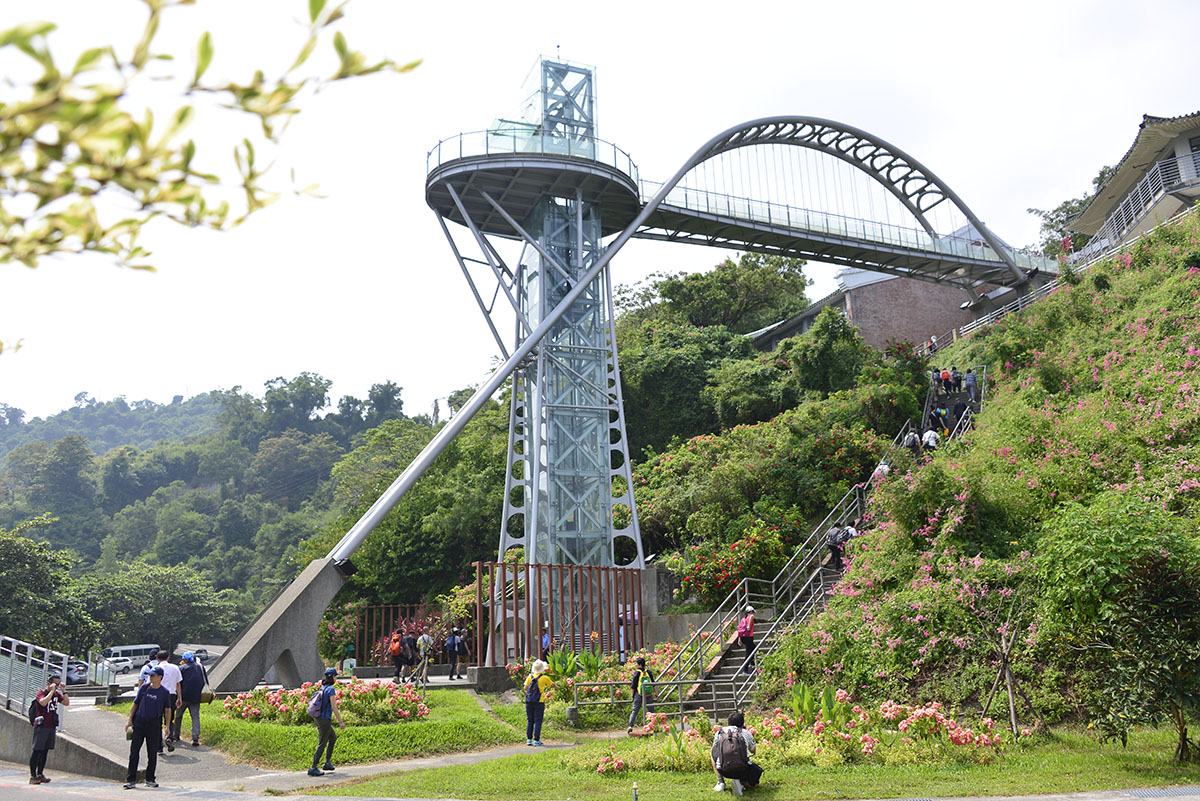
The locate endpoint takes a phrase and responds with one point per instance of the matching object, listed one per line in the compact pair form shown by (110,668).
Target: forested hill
(110,424)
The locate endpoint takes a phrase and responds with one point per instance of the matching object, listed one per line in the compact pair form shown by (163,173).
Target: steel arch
(913,184)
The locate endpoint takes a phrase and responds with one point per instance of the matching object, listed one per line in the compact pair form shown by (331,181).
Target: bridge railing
(794,217)
(520,141)
(24,670)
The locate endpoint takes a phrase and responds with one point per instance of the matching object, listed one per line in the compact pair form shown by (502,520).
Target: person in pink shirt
(45,727)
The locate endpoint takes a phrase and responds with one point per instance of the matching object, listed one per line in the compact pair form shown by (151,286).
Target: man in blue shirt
(147,724)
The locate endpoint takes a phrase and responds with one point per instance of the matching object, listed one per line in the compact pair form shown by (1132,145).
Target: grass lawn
(456,723)
(1068,761)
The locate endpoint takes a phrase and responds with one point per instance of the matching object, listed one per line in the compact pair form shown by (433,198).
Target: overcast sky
(1013,104)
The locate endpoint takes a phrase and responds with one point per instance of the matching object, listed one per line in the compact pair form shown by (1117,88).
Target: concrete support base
(283,636)
(489,679)
(70,754)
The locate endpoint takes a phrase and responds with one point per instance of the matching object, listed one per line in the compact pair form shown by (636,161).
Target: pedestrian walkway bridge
(790,186)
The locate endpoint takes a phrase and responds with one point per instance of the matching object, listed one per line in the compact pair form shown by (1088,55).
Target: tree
(40,604)
(829,356)
(294,404)
(286,469)
(164,605)
(75,138)
(1054,221)
(743,296)
(750,390)
(665,367)
(1153,643)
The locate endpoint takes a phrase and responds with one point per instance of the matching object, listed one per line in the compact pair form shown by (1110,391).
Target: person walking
(396,651)
(931,440)
(745,634)
(170,681)
(536,685)
(946,381)
(833,538)
(147,723)
(323,708)
(452,652)
(45,726)
(970,381)
(912,441)
(545,643)
(425,648)
(640,684)
(956,379)
(461,647)
(936,383)
(960,410)
(191,686)
(409,652)
(731,750)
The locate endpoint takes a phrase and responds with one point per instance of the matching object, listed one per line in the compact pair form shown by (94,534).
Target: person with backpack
(43,715)
(191,687)
(452,652)
(946,381)
(396,652)
(912,441)
(971,382)
(149,722)
(323,708)
(731,750)
(956,379)
(408,650)
(931,440)
(834,538)
(536,685)
(425,648)
(642,693)
(745,633)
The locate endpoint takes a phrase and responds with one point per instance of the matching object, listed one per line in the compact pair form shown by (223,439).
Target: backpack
(33,712)
(452,644)
(945,375)
(731,752)
(395,647)
(911,440)
(316,702)
(744,627)
(646,687)
(533,690)
(834,536)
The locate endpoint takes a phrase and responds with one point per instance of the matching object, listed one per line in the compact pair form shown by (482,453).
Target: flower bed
(825,730)
(361,703)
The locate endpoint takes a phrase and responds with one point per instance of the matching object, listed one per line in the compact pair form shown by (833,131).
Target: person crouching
(731,750)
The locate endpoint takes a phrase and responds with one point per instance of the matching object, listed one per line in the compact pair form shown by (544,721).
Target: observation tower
(549,184)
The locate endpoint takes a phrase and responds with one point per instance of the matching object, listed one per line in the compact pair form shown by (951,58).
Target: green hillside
(1066,520)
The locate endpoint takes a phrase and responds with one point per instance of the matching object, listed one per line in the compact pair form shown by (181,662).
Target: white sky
(1014,105)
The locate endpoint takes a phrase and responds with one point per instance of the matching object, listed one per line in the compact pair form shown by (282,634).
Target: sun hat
(539,666)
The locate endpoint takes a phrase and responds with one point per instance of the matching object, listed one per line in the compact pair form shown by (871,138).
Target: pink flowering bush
(361,703)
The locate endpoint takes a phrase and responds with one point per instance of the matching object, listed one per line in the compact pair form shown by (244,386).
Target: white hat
(749,608)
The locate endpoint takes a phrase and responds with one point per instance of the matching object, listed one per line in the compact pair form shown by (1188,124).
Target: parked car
(77,672)
(120,664)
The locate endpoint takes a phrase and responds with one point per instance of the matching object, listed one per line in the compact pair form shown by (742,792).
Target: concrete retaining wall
(69,755)
(676,628)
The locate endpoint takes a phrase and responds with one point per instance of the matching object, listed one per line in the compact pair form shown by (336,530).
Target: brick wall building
(884,308)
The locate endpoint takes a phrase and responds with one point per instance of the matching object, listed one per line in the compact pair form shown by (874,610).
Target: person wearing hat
(536,686)
(191,685)
(326,735)
(745,634)
(147,724)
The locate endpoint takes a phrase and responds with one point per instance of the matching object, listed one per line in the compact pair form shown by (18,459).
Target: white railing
(24,670)
(797,218)
(1041,292)
(520,140)
(1157,181)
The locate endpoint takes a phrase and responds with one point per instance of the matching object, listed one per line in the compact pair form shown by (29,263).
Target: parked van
(140,654)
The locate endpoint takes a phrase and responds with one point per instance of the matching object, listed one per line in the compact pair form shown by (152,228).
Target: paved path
(14,786)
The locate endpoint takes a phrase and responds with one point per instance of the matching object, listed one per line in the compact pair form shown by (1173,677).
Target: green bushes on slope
(1087,457)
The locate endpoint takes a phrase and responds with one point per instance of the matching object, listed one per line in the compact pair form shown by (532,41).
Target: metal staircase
(716,677)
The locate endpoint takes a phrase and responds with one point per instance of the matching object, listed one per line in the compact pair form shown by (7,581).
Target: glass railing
(509,141)
(796,218)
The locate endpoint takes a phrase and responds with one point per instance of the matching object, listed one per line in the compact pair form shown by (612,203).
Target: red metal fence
(580,607)
(376,624)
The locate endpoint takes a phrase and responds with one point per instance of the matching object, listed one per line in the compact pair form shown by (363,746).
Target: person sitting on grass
(536,686)
(731,750)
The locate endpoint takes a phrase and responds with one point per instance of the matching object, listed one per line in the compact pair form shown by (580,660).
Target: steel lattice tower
(551,183)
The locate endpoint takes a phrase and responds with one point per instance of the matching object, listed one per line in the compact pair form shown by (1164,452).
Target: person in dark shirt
(45,727)
(191,685)
(148,724)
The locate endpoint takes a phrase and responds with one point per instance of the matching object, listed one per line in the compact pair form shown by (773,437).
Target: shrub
(361,703)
